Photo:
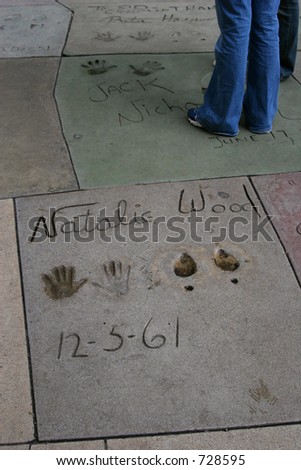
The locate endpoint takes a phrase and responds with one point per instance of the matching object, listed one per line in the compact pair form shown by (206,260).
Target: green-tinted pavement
(107,121)
(124,118)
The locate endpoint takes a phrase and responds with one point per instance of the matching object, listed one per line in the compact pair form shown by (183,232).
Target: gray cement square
(114,27)
(138,327)
(124,118)
(268,438)
(73,445)
(297,71)
(34,157)
(281,196)
(9,3)
(33,31)
(16,424)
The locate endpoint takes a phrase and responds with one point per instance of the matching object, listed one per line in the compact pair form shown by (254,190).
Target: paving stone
(297,71)
(281,195)
(124,118)
(269,438)
(10,3)
(133,336)
(34,157)
(114,27)
(33,31)
(284,437)
(75,445)
(15,400)
(15,447)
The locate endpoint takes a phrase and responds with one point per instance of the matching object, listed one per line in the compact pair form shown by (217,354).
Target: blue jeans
(248,46)
(288,16)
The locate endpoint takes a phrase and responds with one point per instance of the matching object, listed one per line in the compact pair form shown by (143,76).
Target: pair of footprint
(185,266)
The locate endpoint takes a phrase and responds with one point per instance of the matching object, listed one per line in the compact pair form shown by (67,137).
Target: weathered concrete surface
(75,445)
(16,424)
(269,438)
(297,71)
(9,3)
(34,156)
(114,27)
(15,447)
(125,121)
(281,195)
(33,31)
(124,345)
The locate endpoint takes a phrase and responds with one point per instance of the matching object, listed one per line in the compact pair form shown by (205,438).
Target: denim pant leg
(261,98)
(288,16)
(224,96)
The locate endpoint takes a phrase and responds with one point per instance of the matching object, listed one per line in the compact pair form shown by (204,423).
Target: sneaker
(267,131)
(192,116)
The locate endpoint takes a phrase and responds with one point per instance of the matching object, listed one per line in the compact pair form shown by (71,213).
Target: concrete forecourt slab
(33,31)
(267,438)
(120,27)
(124,118)
(9,3)
(139,326)
(16,424)
(34,157)
(281,196)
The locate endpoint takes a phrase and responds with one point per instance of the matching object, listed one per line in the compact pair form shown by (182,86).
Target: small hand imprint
(262,393)
(95,67)
(143,36)
(60,283)
(106,37)
(263,399)
(147,68)
(115,278)
(38,21)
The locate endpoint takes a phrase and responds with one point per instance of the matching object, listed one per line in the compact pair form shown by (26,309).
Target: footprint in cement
(225,261)
(185,266)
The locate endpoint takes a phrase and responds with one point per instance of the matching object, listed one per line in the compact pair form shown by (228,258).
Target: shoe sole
(195,123)
(198,124)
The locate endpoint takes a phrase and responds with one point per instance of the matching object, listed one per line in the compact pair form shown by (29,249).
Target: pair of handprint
(96,67)
(109,37)
(61,283)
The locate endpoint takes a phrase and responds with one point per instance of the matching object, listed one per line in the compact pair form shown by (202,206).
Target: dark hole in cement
(235,281)
(185,266)
(189,288)
(225,261)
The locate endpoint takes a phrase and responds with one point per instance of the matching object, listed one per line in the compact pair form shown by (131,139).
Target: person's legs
(288,16)
(260,103)
(223,99)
